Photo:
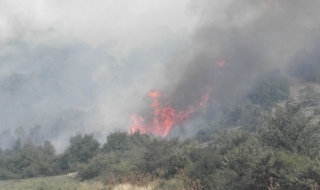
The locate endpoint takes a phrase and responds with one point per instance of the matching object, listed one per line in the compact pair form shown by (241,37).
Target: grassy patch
(63,182)
(69,182)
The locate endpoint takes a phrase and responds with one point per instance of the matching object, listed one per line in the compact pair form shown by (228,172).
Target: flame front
(164,116)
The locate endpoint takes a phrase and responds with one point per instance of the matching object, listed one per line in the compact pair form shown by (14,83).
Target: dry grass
(150,182)
(63,182)
(273,185)
(130,182)
(312,184)
(132,187)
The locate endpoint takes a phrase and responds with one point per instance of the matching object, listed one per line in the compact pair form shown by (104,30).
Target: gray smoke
(253,37)
(68,86)
(60,91)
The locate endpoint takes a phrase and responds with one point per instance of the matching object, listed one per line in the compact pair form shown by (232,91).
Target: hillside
(296,88)
(254,141)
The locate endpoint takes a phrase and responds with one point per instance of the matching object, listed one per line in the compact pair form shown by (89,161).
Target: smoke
(251,37)
(75,88)
(78,66)
(81,67)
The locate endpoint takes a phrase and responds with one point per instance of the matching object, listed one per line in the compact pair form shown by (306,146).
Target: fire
(164,116)
(155,94)
(206,97)
(138,122)
(221,63)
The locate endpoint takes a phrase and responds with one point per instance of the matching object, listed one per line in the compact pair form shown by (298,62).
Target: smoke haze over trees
(252,37)
(87,68)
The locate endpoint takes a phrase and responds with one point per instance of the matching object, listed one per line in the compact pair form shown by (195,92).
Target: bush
(31,161)
(204,135)
(316,111)
(122,141)
(306,65)
(156,156)
(118,141)
(83,148)
(170,185)
(291,130)
(309,95)
(268,92)
(115,163)
(245,114)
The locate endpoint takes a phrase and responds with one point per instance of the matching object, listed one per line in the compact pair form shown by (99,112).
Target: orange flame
(206,97)
(164,116)
(155,94)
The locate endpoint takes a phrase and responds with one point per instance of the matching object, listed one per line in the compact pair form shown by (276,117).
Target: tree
(157,155)
(306,65)
(268,92)
(291,130)
(17,147)
(122,141)
(83,148)
(19,132)
(118,141)
(245,114)
(48,149)
(309,95)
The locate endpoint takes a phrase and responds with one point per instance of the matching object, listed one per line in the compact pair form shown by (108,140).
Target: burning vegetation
(163,117)
(251,128)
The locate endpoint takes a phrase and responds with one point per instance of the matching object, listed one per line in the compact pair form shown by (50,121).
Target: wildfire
(164,116)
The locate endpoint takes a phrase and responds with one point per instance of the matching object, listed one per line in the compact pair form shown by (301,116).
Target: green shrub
(203,136)
(170,185)
(205,167)
(122,141)
(291,130)
(182,158)
(118,141)
(245,114)
(157,155)
(306,65)
(268,92)
(117,163)
(6,174)
(309,95)
(289,169)
(316,111)
(30,161)
(83,148)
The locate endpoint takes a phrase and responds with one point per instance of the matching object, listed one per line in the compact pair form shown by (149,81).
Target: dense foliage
(243,151)
(306,65)
(309,95)
(270,91)
(29,161)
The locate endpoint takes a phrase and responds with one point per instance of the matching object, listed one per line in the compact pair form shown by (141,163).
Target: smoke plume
(248,40)
(69,69)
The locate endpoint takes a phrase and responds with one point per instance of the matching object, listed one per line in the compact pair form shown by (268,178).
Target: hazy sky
(106,55)
(82,55)
(131,24)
